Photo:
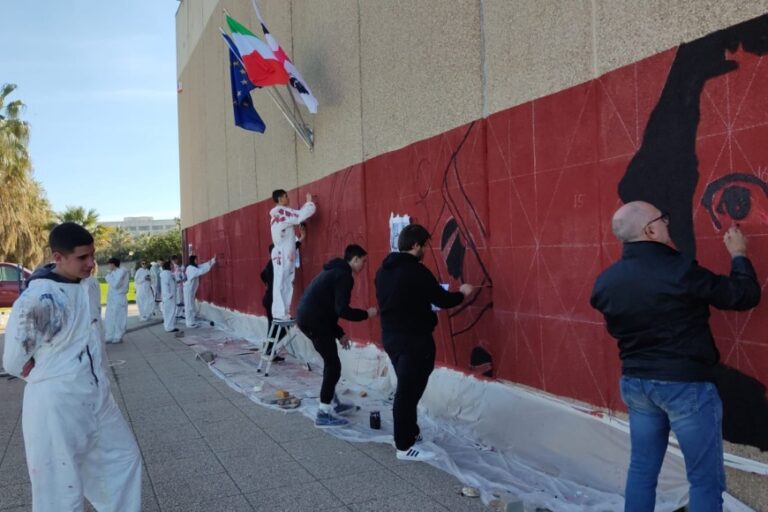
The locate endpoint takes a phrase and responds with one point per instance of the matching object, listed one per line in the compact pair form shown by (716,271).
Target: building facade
(138,226)
(507,128)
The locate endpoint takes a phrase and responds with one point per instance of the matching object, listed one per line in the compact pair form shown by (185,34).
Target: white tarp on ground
(504,439)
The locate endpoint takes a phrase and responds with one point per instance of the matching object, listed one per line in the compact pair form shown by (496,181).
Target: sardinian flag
(300,89)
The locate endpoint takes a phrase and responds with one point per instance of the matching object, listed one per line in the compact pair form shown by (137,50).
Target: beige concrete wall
(389,72)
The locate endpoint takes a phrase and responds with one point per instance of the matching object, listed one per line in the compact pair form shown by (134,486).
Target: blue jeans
(694,412)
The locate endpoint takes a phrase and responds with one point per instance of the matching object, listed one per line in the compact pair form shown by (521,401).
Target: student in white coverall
(283,221)
(168,295)
(179,274)
(77,442)
(193,273)
(145,299)
(116,315)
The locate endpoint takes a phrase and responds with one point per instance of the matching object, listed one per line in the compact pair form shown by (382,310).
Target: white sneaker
(415,454)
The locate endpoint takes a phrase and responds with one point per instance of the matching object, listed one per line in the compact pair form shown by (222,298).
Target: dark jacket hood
(396,259)
(337,263)
(47,272)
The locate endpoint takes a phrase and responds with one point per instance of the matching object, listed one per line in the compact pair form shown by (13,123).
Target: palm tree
(24,209)
(89,219)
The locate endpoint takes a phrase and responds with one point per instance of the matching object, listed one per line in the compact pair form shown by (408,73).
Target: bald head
(629,221)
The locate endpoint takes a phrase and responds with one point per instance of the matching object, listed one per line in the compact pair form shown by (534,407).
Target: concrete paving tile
(177,449)
(14,471)
(227,504)
(253,475)
(428,479)
(455,502)
(157,438)
(329,446)
(152,402)
(237,427)
(193,396)
(326,462)
(16,495)
(213,411)
(300,428)
(14,454)
(182,492)
(254,453)
(197,464)
(377,482)
(309,497)
(411,501)
(167,417)
(384,453)
(221,443)
(134,399)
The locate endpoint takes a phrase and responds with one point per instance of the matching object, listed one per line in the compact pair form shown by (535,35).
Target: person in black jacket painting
(406,291)
(325,300)
(656,302)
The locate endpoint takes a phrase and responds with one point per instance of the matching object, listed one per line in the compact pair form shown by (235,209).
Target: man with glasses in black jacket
(656,304)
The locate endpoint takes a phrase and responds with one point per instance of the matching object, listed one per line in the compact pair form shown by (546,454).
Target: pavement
(206,447)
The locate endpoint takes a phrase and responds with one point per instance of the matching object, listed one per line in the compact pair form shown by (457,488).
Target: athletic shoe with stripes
(415,454)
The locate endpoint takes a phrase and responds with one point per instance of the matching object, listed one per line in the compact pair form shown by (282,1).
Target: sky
(98,78)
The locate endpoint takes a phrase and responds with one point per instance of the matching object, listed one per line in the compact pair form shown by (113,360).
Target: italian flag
(261,64)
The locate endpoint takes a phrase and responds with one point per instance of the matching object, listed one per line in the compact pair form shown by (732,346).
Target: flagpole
(306,137)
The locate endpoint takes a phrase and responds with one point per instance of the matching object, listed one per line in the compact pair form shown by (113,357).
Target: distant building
(138,226)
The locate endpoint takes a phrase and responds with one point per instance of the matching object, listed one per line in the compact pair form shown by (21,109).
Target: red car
(12,278)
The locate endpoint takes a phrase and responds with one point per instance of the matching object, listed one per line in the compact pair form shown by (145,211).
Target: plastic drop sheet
(503,439)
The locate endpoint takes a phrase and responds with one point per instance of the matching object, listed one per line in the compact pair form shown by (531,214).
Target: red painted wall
(533,188)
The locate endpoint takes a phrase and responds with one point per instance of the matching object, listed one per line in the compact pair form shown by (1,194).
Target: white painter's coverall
(283,221)
(144,297)
(116,315)
(193,274)
(180,277)
(77,441)
(168,295)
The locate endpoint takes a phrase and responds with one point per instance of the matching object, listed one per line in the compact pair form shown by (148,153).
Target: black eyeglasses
(664,217)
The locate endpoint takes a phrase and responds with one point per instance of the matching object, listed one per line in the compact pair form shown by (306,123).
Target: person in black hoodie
(325,300)
(406,291)
(656,303)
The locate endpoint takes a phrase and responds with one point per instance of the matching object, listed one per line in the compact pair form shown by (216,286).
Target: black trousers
(413,357)
(325,344)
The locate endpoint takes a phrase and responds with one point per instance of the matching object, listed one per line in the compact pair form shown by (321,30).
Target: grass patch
(131,292)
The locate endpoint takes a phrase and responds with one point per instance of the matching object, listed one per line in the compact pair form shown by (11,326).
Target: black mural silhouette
(664,172)
(745,407)
(456,242)
(731,195)
(453,249)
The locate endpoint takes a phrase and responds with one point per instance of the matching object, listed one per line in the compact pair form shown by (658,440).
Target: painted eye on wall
(453,249)
(741,197)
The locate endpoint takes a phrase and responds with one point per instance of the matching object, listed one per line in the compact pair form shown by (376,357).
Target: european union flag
(245,115)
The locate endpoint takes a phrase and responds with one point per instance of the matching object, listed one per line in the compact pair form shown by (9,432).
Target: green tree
(119,244)
(24,209)
(161,246)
